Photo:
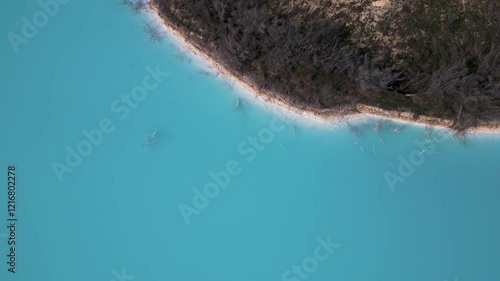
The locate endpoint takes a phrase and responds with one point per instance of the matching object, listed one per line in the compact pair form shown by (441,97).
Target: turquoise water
(115,215)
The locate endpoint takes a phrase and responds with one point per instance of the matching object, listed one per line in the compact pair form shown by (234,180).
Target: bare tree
(220,8)
(135,6)
(379,126)
(355,131)
(239,104)
(153,32)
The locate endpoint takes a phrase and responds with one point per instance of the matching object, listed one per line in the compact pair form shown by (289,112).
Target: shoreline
(327,116)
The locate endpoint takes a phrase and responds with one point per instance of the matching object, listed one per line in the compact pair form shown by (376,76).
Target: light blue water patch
(303,202)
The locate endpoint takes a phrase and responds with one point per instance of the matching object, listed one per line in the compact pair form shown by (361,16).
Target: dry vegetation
(437,58)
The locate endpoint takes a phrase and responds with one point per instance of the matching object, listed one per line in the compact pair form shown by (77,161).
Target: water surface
(118,210)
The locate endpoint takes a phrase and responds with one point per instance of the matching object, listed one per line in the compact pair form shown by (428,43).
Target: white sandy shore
(272,103)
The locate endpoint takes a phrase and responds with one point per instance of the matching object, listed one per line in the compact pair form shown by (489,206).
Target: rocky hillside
(439,58)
